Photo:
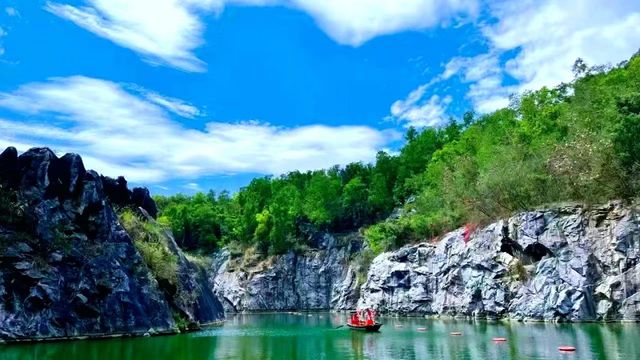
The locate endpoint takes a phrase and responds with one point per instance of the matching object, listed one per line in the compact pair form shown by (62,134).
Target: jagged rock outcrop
(120,195)
(318,279)
(67,266)
(566,264)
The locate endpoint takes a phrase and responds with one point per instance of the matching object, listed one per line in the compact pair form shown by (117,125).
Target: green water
(313,336)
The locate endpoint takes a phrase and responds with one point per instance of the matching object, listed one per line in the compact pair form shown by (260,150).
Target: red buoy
(499,339)
(566,348)
(422,329)
(456,333)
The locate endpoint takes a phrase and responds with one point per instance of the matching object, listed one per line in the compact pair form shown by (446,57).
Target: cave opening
(536,252)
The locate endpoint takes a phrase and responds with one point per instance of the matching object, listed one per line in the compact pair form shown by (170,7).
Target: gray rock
(319,279)
(565,264)
(72,270)
(192,297)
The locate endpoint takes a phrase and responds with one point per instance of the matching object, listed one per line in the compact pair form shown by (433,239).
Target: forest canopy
(575,142)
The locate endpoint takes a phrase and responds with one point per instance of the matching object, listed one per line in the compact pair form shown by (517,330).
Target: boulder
(9,167)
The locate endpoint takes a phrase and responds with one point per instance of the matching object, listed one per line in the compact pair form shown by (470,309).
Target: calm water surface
(314,336)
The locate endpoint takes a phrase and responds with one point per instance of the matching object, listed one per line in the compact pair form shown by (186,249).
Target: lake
(314,336)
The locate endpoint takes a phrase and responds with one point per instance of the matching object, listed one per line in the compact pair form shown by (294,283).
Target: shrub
(150,240)
(12,210)
(384,236)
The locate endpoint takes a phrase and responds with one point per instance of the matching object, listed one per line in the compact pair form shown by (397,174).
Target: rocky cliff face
(68,268)
(566,264)
(318,279)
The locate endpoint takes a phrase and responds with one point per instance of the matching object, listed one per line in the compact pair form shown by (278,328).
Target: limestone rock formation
(318,279)
(68,268)
(565,264)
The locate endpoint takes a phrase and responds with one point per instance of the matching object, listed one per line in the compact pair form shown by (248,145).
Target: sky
(191,95)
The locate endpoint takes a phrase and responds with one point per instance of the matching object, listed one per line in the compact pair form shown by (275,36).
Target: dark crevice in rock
(535,252)
(511,247)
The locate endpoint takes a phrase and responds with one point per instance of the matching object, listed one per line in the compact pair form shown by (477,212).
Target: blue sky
(189,95)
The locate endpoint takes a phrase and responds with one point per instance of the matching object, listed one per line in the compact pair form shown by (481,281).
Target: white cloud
(552,34)
(419,112)
(354,22)
(11,11)
(547,36)
(176,106)
(119,132)
(163,31)
(487,91)
(192,186)
(169,31)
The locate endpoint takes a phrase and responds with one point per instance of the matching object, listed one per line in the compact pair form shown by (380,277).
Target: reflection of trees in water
(279,336)
(357,345)
(158,347)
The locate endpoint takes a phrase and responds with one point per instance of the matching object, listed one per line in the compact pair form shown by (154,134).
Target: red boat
(364,320)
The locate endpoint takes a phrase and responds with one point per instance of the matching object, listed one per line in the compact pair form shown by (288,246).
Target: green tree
(322,201)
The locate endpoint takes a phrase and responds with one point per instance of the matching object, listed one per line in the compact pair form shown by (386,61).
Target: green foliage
(151,243)
(12,210)
(578,141)
(322,201)
(361,262)
(384,236)
(182,323)
(202,221)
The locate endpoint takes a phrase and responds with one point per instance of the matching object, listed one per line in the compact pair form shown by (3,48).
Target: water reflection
(315,336)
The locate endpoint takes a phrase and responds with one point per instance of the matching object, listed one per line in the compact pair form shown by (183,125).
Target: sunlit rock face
(69,269)
(566,264)
(317,279)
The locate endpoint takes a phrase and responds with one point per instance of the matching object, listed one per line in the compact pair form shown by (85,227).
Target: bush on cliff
(148,239)
(11,208)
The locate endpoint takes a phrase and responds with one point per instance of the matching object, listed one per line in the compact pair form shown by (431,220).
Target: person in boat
(354,319)
(363,317)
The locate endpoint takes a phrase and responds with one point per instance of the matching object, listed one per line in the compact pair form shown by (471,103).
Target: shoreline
(446,318)
(437,317)
(137,334)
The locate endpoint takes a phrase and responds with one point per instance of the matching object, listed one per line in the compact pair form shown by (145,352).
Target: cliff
(571,263)
(321,278)
(68,268)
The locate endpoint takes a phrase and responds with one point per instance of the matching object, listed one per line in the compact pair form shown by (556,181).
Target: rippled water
(314,336)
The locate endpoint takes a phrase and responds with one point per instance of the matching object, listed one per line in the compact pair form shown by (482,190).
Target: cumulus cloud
(418,111)
(122,132)
(11,11)
(546,37)
(163,31)
(552,34)
(485,77)
(168,31)
(354,22)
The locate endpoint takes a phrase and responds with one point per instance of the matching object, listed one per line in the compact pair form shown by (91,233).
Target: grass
(12,209)
(517,271)
(201,261)
(362,261)
(150,241)
(182,323)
